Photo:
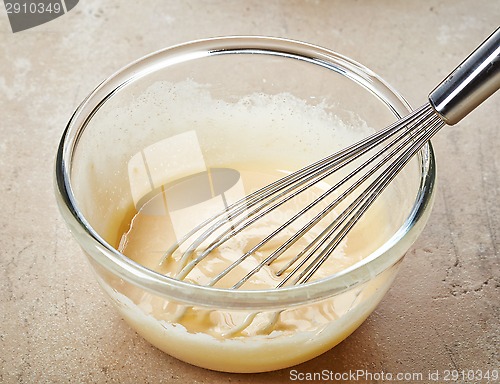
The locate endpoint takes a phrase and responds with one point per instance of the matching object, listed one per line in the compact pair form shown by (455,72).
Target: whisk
(375,162)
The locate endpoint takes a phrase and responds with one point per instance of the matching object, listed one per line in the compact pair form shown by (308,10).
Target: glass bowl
(139,114)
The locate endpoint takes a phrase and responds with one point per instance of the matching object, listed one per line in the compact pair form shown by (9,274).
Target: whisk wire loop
(365,200)
(303,176)
(416,128)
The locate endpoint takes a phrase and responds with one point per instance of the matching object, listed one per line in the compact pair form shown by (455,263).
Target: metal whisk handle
(471,83)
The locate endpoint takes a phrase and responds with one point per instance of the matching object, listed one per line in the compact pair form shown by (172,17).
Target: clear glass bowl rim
(171,289)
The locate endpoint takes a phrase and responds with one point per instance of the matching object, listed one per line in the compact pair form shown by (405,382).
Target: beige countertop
(443,310)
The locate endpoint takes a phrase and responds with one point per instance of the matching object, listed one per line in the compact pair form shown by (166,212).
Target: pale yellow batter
(173,187)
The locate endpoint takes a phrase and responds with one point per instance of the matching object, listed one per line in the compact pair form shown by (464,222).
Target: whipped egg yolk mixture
(223,153)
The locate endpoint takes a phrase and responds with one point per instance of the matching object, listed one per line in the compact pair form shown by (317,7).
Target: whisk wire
(357,207)
(365,200)
(338,162)
(304,175)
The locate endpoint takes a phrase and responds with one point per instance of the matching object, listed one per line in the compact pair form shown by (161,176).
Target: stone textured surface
(55,325)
